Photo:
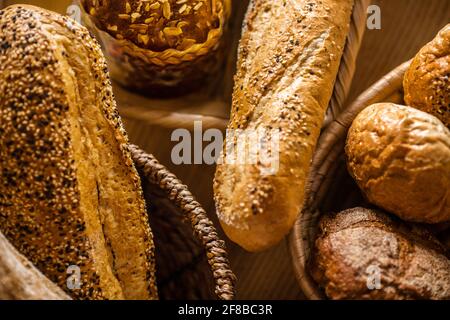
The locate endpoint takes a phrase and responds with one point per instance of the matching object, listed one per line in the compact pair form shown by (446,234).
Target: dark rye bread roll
(69,192)
(289,57)
(357,246)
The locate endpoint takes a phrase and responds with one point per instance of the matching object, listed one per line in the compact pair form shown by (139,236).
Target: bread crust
(61,204)
(289,56)
(354,244)
(427,81)
(400,158)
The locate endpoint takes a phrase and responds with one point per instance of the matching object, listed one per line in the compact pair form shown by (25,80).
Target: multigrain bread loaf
(427,81)
(400,158)
(161,47)
(70,196)
(365,254)
(288,60)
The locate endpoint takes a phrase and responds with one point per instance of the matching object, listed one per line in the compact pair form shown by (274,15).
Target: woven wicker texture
(167,195)
(406,26)
(173,56)
(167,73)
(329,171)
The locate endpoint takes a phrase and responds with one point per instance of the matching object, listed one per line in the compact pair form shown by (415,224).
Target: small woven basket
(330,187)
(167,73)
(191,260)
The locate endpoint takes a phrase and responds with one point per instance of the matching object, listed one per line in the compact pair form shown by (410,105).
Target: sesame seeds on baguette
(288,60)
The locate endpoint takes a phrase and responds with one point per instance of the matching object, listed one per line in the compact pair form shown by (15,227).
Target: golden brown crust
(43,207)
(356,245)
(427,81)
(288,60)
(400,158)
(157,25)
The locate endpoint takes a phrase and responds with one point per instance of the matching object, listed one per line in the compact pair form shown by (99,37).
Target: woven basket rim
(330,148)
(203,227)
(172,119)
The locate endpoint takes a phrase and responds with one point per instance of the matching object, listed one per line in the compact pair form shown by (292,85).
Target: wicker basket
(145,117)
(188,267)
(330,187)
(157,118)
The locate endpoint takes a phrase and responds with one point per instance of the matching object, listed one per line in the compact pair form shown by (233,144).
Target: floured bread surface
(69,192)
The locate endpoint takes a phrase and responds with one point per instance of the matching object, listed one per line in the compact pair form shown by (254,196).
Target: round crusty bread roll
(400,158)
(427,81)
(366,254)
(70,197)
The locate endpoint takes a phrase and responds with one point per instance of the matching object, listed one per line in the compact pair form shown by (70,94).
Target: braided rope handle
(203,227)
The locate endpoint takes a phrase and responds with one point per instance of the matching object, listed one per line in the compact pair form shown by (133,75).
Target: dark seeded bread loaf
(352,246)
(69,192)
(288,61)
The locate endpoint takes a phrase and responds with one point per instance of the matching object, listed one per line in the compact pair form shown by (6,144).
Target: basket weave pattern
(328,170)
(179,196)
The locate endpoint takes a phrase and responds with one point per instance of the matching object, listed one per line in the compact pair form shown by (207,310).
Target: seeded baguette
(289,57)
(69,192)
